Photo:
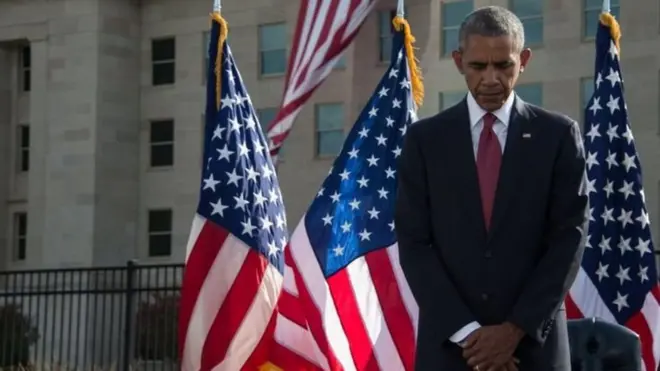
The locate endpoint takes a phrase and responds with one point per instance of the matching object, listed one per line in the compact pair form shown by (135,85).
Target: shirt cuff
(463,333)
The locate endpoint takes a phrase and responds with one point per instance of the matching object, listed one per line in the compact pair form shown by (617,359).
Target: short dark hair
(492,21)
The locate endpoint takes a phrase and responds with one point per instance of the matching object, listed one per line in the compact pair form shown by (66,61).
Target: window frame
(320,131)
(447,53)
(596,8)
(163,143)
(19,239)
(25,69)
(161,62)
(159,233)
(531,17)
(22,148)
(261,49)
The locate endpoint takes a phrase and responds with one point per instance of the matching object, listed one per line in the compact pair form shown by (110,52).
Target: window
(531,93)
(20,236)
(450,98)
(160,232)
(161,140)
(586,91)
(591,15)
(453,14)
(530,13)
(385,30)
(266,115)
(26,65)
(23,148)
(272,48)
(329,129)
(163,55)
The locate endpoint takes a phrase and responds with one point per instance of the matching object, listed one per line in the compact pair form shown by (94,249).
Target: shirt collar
(503,114)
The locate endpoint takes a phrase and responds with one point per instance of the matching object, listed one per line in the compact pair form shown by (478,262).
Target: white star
(382,193)
(258,147)
(224,153)
(599,79)
(405,84)
(279,222)
(613,104)
(601,272)
(591,215)
(363,182)
(625,218)
(396,151)
(251,173)
(607,215)
(273,249)
(624,245)
(627,189)
(373,112)
(643,274)
(612,132)
(266,224)
(250,123)
(218,208)
(591,160)
(241,202)
(248,228)
(396,103)
(235,125)
(363,133)
(643,247)
(320,192)
(394,73)
(403,130)
(233,177)
(389,172)
(381,140)
(353,153)
(327,219)
(344,174)
(373,213)
(628,135)
(346,227)
(595,106)
(621,301)
(613,77)
(593,132)
(643,219)
(629,162)
(609,188)
(354,204)
(364,235)
(259,198)
(611,160)
(373,161)
(587,243)
(273,197)
(266,172)
(383,92)
(243,149)
(623,275)
(335,197)
(217,133)
(391,225)
(604,245)
(614,52)
(227,101)
(210,183)
(338,250)
(389,122)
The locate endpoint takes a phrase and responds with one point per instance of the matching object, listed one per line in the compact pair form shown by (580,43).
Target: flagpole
(217,5)
(606,6)
(399,8)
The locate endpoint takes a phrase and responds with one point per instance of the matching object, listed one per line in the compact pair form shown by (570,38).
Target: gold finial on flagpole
(217,6)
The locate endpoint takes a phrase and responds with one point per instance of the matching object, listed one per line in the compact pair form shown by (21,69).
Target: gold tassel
(401,24)
(268,366)
(216,17)
(608,20)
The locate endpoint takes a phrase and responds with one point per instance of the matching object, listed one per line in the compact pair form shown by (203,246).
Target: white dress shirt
(501,128)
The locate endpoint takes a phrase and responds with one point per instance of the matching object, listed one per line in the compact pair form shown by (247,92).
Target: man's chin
(490,103)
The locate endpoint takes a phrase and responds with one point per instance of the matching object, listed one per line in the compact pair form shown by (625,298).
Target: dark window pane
(24,160)
(160,220)
(385,48)
(163,50)
(162,131)
(448,99)
(162,155)
(531,93)
(266,115)
(160,244)
(533,31)
(26,80)
(25,136)
(329,116)
(449,41)
(21,224)
(21,248)
(587,90)
(273,61)
(272,36)
(329,142)
(454,12)
(26,57)
(524,8)
(163,73)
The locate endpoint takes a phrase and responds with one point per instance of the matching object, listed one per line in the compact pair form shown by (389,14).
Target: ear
(525,56)
(457,56)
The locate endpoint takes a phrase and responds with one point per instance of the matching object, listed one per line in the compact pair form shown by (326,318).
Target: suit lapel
(467,180)
(514,154)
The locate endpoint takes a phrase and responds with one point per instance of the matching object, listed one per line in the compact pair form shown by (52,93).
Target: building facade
(102,101)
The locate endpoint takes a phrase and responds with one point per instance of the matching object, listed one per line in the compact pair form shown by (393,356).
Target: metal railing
(111,318)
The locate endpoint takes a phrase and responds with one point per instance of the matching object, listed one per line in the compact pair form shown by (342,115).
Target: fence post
(128,313)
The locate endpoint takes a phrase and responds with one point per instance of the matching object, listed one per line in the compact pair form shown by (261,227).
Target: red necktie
(489,159)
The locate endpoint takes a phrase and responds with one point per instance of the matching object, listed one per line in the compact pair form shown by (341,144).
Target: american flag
(343,255)
(235,263)
(618,278)
(323,31)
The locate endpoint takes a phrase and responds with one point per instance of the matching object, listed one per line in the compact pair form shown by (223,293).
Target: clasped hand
(490,348)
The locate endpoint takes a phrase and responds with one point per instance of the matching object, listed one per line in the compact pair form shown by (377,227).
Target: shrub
(156,328)
(17,334)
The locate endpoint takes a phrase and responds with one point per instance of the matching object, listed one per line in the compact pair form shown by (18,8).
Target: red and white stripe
(323,31)
(583,301)
(228,304)
(363,318)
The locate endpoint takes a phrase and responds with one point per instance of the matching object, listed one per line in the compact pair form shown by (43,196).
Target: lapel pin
(527,135)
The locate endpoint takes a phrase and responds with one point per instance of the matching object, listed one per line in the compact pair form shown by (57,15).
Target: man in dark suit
(491,214)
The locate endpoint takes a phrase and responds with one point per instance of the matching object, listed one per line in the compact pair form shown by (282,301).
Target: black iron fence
(114,318)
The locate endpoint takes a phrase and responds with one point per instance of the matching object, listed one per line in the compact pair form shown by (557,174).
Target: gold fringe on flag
(608,20)
(268,366)
(401,24)
(224,29)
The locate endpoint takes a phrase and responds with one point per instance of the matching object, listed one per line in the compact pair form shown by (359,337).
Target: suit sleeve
(565,239)
(442,311)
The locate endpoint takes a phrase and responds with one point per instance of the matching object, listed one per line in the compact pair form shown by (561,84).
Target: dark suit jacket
(518,271)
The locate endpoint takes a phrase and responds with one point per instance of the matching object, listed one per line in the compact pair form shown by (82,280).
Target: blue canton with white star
(619,255)
(239,189)
(353,212)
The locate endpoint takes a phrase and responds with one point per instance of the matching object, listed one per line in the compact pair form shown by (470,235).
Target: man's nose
(490,76)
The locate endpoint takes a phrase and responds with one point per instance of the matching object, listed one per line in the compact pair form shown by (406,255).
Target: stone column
(5,145)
